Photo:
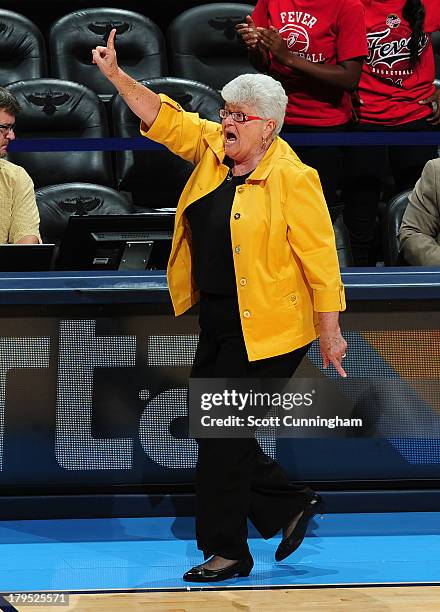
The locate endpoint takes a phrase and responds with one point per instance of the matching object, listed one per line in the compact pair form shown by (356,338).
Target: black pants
(328,161)
(366,169)
(235,479)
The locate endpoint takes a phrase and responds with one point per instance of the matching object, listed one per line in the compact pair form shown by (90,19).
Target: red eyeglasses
(237,116)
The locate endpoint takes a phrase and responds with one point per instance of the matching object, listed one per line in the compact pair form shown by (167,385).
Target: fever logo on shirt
(296,37)
(393,21)
(388,53)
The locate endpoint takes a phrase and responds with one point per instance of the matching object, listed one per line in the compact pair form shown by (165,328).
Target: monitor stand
(136,255)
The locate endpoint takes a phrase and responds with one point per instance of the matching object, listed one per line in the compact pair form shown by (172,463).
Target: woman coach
(253,242)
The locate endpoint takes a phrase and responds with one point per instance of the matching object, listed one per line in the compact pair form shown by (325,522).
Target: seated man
(420,230)
(19,218)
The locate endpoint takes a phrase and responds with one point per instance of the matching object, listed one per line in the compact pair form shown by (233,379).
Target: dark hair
(8,102)
(414,13)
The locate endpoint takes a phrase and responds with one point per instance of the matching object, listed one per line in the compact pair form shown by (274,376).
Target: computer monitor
(117,242)
(26,257)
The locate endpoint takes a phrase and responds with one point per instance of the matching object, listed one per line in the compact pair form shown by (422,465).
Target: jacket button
(237,249)
(240,189)
(293,298)
(243,282)
(246,314)
(237,216)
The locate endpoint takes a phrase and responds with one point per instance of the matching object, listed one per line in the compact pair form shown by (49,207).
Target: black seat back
(204,46)
(156,178)
(139,43)
(54,108)
(392,220)
(57,203)
(22,49)
(342,237)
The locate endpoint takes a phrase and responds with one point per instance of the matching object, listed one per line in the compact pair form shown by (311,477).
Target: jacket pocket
(291,300)
(291,311)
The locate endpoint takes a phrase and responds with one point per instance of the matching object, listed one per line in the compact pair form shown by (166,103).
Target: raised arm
(142,101)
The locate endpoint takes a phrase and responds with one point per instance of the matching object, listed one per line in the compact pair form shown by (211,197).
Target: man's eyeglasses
(237,116)
(5,128)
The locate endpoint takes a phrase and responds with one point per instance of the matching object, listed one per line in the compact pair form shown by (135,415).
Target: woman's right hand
(248,32)
(105,57)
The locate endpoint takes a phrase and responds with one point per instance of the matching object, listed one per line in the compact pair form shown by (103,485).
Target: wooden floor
(371,599)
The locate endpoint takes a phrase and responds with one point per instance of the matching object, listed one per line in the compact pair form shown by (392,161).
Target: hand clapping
(271,39)
(267,38)
(248,32)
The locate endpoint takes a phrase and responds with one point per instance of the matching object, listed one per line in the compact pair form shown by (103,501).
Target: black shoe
(242,567)
(288,545)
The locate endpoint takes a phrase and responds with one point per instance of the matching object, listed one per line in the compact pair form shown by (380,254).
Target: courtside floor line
(232,587)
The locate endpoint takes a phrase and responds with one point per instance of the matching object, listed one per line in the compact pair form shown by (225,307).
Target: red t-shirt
(389,87)
(320,31)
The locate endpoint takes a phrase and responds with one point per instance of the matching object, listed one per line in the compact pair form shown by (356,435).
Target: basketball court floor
(388,561)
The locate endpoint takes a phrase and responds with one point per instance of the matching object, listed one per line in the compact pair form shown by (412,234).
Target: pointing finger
(111,39)
(339,367)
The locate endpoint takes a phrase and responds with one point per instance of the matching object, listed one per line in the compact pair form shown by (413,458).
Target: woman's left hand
(331,343)
(272,40)
(434,101)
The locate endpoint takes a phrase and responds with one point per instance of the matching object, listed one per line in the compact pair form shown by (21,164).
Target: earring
(263,142)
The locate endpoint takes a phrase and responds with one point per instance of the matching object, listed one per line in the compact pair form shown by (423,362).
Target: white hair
(260,91)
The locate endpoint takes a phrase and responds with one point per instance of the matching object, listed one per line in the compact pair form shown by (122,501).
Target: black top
(209,220)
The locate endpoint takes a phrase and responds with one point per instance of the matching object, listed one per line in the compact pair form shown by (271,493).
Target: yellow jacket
(285,260)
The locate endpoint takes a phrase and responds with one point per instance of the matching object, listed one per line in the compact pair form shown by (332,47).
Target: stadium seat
(22,49)
(156,178)
(56,203)
(342,237)
(203,44)
(140,46)
(391,222)
(54,108)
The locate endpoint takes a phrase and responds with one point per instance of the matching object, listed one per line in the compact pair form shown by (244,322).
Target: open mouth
(230,137)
